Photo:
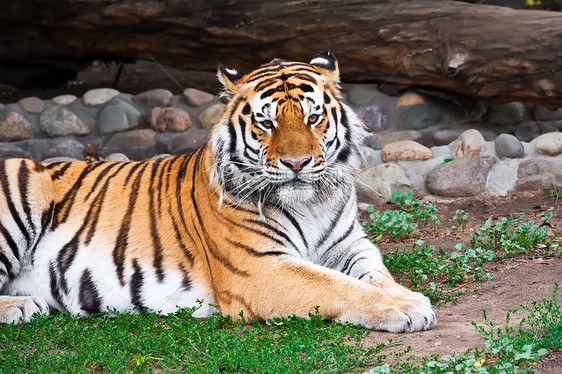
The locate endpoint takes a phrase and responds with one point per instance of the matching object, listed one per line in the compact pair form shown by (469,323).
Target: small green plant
(446,161)
(462,218)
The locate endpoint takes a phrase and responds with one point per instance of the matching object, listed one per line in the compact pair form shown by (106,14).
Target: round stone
(118,115)
(134,139)
(462,177)
(410,98)
(377,183)
(373,117)
(468,144)
(405,150)
(15,127)
(188,142)
(63,99)
(169,119)
(10,150)
(32,104)
(549,144)
(117,157)
(195,97)
(152,98)
(66,148)
(52,160)
(418,117)
(211,115)
(99,96)
(58,121)
(378,142)
(509,146)
(506,114)
(544,114)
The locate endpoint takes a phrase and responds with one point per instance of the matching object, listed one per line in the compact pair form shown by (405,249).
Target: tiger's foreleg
(282,286)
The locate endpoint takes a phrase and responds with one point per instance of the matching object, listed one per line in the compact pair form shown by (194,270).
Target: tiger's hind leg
(26,203)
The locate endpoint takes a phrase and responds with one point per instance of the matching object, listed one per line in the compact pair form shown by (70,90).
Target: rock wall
(440,145)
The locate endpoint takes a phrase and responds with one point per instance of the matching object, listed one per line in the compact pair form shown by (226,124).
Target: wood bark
(495,53)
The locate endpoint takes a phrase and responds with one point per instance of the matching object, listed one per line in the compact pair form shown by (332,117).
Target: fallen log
(494,53)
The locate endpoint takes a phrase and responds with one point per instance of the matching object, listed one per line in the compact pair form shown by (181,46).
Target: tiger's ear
(228,78)
(327,61)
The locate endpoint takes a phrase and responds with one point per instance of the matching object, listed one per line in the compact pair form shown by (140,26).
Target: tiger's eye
(312,119)
(268,124)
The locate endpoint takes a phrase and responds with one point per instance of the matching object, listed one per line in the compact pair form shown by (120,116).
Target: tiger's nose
(295,164)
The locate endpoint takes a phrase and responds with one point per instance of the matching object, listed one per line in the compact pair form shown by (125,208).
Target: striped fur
(261,220)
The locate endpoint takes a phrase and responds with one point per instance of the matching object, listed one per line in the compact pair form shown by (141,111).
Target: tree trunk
(495,53)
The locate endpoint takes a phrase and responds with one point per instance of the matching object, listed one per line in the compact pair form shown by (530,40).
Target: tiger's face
(285,137)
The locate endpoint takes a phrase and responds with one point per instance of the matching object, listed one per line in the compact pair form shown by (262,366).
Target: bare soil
(515,281)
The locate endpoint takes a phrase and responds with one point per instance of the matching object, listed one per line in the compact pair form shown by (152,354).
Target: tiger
(259,223)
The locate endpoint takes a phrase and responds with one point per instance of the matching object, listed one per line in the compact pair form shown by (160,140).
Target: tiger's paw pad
(19,309)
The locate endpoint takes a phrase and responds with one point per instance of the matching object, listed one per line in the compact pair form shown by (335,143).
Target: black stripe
(179,238)
(295,224)
(10,240)
(6,262)
(89,297)
(253,252)
(101,175)
(137,281)
(266,83)
(186,283)
(346,150)
(59,173)
(66,257)
(23,184)
(348,265)
(269,92)
(156,240)
(256,231)
(136,165)
(45,221)
(54,284)
(344,236)
(305,87)
(247,147)
(327,98)
(339,212)
(271,228)
(247,109)
(11,206)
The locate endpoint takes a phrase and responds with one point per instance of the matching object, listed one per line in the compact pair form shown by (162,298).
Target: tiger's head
(285,137)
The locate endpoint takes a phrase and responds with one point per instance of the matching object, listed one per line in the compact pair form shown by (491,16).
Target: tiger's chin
(296,193)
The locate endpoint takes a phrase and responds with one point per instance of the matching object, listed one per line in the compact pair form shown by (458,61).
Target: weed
(462,218)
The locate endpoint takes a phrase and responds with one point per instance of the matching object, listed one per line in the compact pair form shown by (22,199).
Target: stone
(99,96)
(117,116)
(63,99)
(549,144)
(134,139)
(188,142)
(461,177)
(377,183)
(211,115)
(506,114)
(410,98)
(373,117)
(538,175)
(169,119)
(369,156)
(58,121)
(163,155)
(10,150)
(15,127)
(468,144)
(543,114)
(197,98)
(117,157)
(2,107)
(52,160)
(527,131)
(32,104)
(66,148)
(405,150)
(418,117)
(364,94)
(391,137)
(152,98)
(508,146)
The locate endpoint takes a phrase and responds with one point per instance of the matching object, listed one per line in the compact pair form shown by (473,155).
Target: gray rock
(543,114)
(58,121)
(364,94)
(418,117)
(373,117)
(99,96)
(117,157)
(462,177)
(134,139)
(444,136)
(188,142)
(508,146)
(370,156)
(376,184)
(66,148)
(197,98)
(381,140)
(211,115)
(506,114)
(538,175)
(10,150)
(52,160)
(14,127)
(117,116)
(549,144)
(87,114)
(157,97)
(64,99)
(405,150)
(468,144)
(169,119)
(527,131)
(32,104)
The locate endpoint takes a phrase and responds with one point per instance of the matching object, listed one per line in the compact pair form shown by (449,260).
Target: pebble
(32,104)
(99,96)
(117,116)
(544,114)
(67,148)
(508,146)
(418,117)
(364,94)
(63,99)
(117,157)
(197,98)
(373,117)
(405,150)
(468,144)
(444,136)
(549,144)
(410,98)
(15,127)
(52,160)
(461,177)
(391,137)
(527,131)
(134,139)
(152,98)
(58,121)
(506,114)
(377,183)
(10,150)
(169,119)
(538,175)
(211,115)
(188,142)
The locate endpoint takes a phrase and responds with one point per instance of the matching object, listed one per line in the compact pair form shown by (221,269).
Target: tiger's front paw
(407,313)
(19,309)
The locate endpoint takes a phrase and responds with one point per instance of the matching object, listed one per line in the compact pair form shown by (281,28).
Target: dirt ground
(515,281)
